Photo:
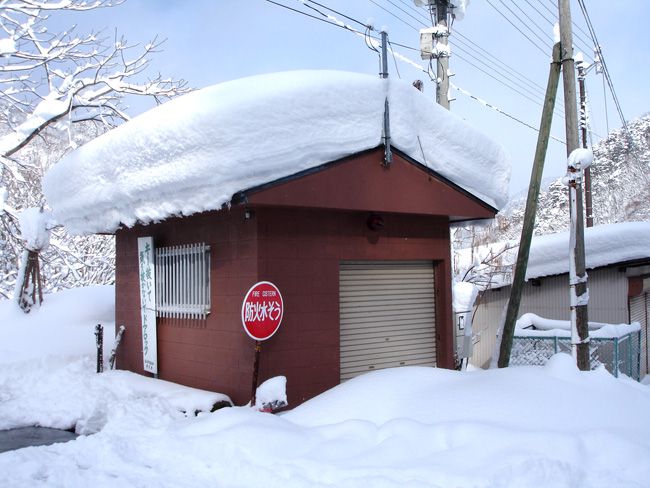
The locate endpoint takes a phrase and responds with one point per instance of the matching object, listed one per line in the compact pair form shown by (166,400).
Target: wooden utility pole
(508,331)
(589,209)
(442,60)
(578,283)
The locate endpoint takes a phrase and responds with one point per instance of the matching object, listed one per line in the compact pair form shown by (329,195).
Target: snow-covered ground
(549,426)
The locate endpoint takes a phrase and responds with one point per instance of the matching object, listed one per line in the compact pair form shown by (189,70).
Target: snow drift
(528,426)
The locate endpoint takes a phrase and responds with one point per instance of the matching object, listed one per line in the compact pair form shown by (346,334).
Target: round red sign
(262,310)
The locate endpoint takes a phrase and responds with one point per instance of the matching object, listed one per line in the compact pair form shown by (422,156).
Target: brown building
(360,253)
(358,248)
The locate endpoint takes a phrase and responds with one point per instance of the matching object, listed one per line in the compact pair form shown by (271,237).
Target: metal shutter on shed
(387,315)
(639,312)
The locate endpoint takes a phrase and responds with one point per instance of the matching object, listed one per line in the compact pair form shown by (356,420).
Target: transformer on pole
(434,44)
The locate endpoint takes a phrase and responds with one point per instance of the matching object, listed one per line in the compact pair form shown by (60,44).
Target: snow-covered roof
(604,244)
(549,254)
(195,152)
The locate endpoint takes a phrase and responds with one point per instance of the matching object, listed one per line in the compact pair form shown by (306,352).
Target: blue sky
(210,41)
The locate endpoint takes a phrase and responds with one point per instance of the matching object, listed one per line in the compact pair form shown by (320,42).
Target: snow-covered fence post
(34,229)
(99,340)
(578,160)
(118,338)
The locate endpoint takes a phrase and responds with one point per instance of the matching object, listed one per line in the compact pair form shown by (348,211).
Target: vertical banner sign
(148,304)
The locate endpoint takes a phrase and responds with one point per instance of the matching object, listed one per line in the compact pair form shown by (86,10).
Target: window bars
(183,281)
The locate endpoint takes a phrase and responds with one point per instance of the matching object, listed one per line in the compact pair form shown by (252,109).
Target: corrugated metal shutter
(639,312)
(387,315)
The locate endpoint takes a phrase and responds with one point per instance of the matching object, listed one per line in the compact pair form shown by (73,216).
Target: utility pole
(442,60)
(434,44)
(578,280)
(583,133)
(508,331)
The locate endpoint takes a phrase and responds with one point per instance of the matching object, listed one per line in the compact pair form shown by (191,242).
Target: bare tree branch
(57,90)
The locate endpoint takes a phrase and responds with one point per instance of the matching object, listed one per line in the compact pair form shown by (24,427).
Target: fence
(618,354)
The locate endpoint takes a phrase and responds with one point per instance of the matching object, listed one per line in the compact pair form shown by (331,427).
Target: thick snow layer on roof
(549,254)
(194,153)
(604,244)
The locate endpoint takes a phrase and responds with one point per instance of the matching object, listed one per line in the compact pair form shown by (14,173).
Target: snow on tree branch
(46,78)
(59,89)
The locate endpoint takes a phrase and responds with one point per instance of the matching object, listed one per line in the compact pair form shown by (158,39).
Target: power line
(409,3)
(516,90)
(392,51)
(468,94)
(462,43)
(459,36)
(497,109)
(400,8)
(394,15)
(554,12)
(494,72)
(592,32)
(554,19)
(337,23)
(541,29)
(304,2)
(511,74)
(341,25)
(544,51)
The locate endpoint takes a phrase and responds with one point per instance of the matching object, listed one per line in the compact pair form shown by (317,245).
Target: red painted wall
(300,251)
(301,229)
(212,354)
(297,249)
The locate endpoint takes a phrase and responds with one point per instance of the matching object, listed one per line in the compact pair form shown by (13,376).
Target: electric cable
(363,24)
(518,88)
(555,12)
(394,60)
(341,25)
(544,51)
(594,38)
(554,20)
(544,39)
(396,55)
(497,63)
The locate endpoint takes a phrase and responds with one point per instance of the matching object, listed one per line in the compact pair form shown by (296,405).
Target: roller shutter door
(639,312)
(387,315)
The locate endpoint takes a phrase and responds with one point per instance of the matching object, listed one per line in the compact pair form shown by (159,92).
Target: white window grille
(183,281)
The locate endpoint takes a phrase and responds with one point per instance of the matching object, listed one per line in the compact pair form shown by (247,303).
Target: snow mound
(272,394)
(194,153)
(63,325)
(463,296)
(562,366)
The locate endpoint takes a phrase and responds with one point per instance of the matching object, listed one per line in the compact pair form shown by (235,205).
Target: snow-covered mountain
(620,186)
